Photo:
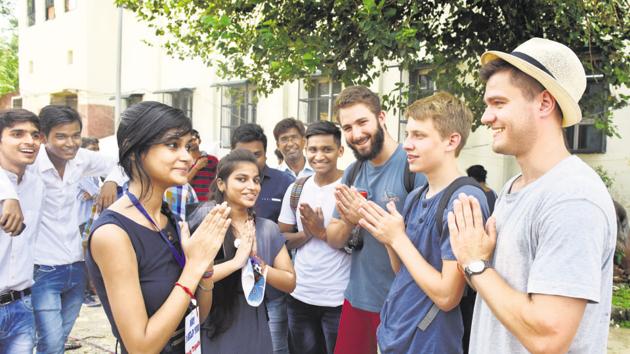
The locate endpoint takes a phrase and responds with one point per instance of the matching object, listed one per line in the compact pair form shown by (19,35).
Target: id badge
(193,328)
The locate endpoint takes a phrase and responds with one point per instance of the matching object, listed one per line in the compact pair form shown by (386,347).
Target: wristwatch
(476,267)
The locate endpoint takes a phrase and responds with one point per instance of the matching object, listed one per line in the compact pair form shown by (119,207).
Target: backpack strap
(296,191)
(448,193)
(409,178)
(443,203)
(354,171)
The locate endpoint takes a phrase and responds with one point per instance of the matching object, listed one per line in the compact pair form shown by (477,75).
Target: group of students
(377,256)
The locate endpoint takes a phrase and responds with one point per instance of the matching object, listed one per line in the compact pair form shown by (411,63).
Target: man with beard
(381,178)
(289,135)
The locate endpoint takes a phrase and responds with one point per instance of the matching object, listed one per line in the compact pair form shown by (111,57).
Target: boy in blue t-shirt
(421,313)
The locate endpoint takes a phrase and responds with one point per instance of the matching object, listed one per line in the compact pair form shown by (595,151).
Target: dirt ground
(93,331)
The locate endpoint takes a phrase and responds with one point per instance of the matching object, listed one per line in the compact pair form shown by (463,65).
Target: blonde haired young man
(421,313)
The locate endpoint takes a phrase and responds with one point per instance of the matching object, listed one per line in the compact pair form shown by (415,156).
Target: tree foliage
(8,50)
(354,41)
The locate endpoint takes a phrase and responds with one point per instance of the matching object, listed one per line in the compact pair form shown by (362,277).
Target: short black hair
(10,117)
(324,127)
(477,172)
(286,124)
(141,126)
(88,140)
(53,115)
(195,134)
(246,133)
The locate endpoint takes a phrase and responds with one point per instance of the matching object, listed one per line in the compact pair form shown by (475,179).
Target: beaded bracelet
(203,288)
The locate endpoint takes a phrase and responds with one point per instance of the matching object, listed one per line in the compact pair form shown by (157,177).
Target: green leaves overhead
(273,42)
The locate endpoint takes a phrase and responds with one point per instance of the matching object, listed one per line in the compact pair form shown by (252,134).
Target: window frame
(588,119)
(48,6)
(316,99)
(189,92)
(31,12)
(413,96)
(69,5)
(249,104)
(65,98)
(133,98)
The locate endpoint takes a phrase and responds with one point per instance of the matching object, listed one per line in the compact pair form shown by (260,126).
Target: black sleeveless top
(157,269)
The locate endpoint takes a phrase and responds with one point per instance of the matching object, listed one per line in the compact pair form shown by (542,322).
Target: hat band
(532,61)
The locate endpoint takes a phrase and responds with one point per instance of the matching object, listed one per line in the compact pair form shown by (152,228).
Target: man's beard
(378,139)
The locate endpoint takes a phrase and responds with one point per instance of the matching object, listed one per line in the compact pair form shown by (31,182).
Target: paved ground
(92,329)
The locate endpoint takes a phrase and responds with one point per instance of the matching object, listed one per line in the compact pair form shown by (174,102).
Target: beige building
(69,51)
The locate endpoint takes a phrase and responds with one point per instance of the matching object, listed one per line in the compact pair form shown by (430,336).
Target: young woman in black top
(145,264)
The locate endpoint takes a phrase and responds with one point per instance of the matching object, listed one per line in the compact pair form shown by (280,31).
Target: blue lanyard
(179,257)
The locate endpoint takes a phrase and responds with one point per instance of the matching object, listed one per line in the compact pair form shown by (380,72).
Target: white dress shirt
(16,253)
(7,189)
(306,171)
(59,241)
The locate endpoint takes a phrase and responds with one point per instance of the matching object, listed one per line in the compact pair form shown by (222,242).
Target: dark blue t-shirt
(406,304)
(273,185)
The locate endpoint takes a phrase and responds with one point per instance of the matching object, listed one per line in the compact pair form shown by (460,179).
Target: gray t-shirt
(556,236)
(370,271)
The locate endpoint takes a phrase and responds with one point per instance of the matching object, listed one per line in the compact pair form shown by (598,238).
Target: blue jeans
(278,324)
(57,299)
(312,329)
(17,327)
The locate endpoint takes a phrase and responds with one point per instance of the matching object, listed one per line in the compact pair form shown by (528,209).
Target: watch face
(476,266)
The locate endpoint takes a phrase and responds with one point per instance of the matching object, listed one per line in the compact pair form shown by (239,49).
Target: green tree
(8,50)
(273,42)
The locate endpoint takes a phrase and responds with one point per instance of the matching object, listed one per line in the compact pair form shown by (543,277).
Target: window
(317,99)
(238,106)
(16,102)
(30,12)
(132,99)
(584,137)
(50,9)
(64,99)
(421,85)
(181,99)
(70,5)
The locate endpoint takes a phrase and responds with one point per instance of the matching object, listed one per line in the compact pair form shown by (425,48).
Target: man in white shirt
(19,143)
(289,135)
(11,217)
(314,307)
(59,268)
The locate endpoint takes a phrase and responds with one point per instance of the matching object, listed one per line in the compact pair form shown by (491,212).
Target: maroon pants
(357,330)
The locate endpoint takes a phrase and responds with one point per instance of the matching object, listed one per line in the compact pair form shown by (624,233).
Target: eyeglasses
(289,138)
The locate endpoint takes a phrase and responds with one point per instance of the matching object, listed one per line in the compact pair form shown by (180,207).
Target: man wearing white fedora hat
(542,266)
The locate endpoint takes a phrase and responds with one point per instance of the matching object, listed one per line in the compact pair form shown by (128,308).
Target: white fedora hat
(553,65)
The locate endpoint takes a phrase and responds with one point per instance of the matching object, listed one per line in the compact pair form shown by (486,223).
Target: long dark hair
(226,291)
(141,126)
